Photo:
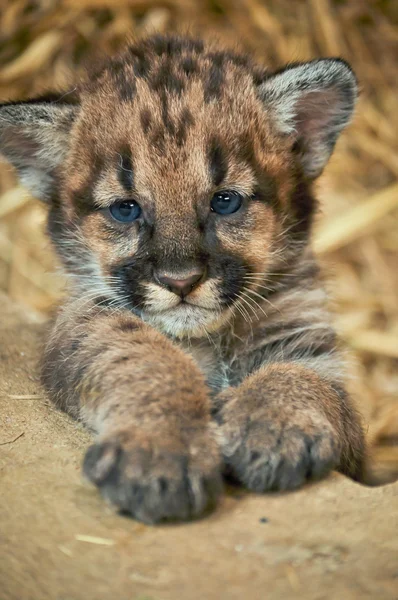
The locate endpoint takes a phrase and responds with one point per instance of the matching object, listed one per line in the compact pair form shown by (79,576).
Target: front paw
(156,477)
(276,448)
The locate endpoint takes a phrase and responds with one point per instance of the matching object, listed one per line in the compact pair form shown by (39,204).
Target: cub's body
(196,332)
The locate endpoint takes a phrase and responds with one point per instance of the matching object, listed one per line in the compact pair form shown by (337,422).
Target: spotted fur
(245,370)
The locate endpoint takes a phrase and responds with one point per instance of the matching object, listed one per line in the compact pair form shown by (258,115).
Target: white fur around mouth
(181,307)
(183,320)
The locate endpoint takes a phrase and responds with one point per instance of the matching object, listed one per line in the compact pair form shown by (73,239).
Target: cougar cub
(194,338)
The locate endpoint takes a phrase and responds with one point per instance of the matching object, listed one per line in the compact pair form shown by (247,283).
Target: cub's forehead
(182,116)
(171,66)
(164,89)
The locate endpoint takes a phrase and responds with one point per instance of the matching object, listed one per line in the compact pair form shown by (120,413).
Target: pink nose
(181,287)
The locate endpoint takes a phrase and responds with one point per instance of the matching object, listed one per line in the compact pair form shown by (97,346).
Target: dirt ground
(60,541)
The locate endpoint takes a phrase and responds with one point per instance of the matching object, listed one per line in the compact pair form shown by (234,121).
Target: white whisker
(254,301)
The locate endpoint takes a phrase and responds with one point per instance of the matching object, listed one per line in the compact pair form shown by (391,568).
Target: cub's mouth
(183,305)
(185,320)
(193,315)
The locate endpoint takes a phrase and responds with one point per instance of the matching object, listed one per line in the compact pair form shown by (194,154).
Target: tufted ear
(34,138)
(313,102)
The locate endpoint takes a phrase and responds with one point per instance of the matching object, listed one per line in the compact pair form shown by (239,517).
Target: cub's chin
(186,320)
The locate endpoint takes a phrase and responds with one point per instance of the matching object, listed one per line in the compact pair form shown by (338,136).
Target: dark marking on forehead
(215,77)
(169,126)
(244,149)
(189,65)
(126,89)
(122,80)
(146,120)
(125,170)
(185,121)
(168,46)
(157,139)
(217,161)
(267,188)
(141,62)
(167,84)
(82,198)
(165,79)
(141,68)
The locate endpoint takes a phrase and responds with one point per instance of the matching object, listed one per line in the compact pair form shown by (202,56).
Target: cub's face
(175,196)
(179,181)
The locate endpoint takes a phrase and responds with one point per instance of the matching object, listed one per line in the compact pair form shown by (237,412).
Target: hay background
(44,45)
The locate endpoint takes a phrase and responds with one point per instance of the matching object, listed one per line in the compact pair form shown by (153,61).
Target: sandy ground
(60,541)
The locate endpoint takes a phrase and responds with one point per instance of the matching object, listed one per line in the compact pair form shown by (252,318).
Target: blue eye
(125,211)
(226,203)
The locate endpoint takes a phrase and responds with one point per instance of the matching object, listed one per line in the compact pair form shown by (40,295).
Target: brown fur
(168,124)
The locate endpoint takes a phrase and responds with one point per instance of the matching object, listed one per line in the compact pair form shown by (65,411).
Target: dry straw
(44,45)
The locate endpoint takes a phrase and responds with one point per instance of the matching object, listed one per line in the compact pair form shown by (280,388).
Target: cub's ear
(313,102)
(34,138)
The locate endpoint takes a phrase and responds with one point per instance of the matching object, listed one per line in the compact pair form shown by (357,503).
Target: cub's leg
(285,424)
(154,455)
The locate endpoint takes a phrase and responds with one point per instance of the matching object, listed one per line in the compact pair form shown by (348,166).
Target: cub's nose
(181,286)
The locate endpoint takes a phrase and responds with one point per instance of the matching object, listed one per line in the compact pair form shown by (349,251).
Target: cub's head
(179,177)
